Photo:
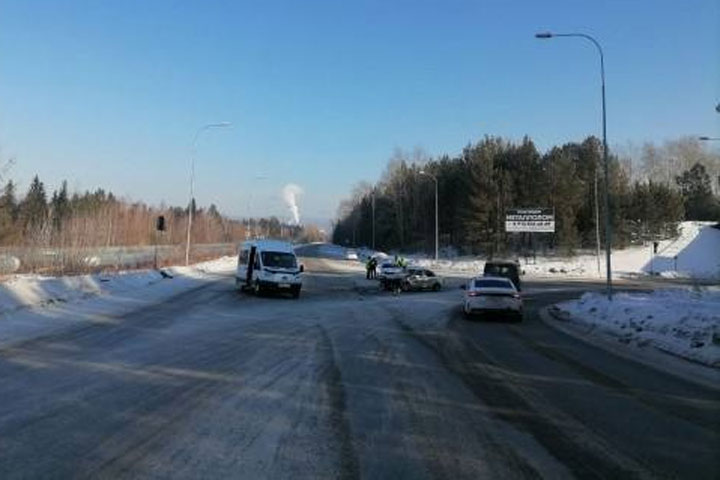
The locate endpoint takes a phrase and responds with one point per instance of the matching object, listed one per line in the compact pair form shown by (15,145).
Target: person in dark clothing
(373,267)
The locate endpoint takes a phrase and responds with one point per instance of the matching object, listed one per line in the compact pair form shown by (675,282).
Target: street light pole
(608,227)
(373,219)
(258,177)
(437,235)
(193,150)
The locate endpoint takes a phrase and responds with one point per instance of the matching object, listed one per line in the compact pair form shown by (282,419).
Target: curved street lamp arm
(590,39)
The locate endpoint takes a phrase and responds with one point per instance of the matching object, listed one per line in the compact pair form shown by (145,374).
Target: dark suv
(503,268)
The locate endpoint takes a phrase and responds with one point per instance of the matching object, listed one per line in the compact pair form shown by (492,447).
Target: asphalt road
(343,383)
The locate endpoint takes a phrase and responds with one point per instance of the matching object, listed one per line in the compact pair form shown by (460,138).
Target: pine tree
(697,194)
(567,196)
(34,208)
(60,207)
(213,212)
(480,213)
(8,215)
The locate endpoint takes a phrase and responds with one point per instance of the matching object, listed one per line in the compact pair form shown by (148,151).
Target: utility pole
(437,225)
(373,218)
(608,226)
(193,149)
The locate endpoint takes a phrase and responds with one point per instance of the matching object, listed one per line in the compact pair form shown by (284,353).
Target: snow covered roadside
(581,266)
(684,322)
(694,254)
(34,304)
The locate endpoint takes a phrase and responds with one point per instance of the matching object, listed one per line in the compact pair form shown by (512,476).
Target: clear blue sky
(109,93)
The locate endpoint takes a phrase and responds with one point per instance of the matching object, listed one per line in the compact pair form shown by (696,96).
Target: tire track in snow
(462,358)
(331,377)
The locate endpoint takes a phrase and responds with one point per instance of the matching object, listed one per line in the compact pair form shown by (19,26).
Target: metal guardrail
(14,259)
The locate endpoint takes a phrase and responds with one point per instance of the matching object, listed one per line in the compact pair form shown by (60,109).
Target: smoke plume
(290,194)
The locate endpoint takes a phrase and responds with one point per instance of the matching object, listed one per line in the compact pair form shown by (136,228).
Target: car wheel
(296,292)
(518,317)
(436,287)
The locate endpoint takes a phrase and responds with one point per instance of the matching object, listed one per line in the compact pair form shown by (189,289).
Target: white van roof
(269,245)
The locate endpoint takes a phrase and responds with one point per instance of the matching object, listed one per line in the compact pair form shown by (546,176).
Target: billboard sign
(530,220)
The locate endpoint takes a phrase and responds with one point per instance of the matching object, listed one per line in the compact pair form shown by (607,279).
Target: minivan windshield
(278,260)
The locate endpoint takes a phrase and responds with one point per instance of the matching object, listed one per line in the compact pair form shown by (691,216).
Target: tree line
(476,187)
(100,219)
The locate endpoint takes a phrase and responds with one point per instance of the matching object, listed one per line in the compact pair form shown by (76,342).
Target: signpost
(534,220)
(159,227)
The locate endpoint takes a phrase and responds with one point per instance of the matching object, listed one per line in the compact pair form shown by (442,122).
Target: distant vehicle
(389,270)
(492,294)
(268,266)
(351,254)
(504,268)
(421,279)
(391,276)
(364,254)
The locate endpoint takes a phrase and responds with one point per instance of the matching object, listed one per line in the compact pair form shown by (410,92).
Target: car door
(421,279)
(429,279)
(412,278)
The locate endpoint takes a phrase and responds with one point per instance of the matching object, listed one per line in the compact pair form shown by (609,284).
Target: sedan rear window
(493,284)
(491,269)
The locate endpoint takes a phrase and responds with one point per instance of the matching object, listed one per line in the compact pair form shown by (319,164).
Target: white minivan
(268,265)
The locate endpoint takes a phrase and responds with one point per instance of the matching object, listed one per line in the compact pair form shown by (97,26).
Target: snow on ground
(624,261)
(695,254)
(35,303)
(681,321)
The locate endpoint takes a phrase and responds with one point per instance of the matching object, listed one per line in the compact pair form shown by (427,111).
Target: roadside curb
(686,370)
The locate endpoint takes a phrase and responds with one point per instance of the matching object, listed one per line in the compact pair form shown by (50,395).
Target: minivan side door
(242,264)
(252,265)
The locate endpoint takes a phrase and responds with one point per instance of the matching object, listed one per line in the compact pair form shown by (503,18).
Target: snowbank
(581,266)
(33,303)
(694,254)
(684,322)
